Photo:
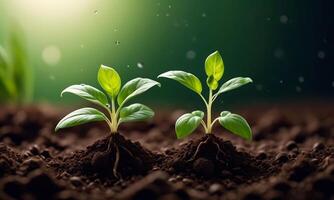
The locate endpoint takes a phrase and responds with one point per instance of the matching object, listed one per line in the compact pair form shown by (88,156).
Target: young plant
(214,69)
(110,81)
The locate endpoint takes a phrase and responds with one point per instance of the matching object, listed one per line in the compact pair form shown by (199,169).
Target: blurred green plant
(16,82)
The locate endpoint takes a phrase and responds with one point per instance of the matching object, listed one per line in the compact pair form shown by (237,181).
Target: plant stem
(119,108)
(208,110)
(206,103)
(204,126)
(214,121)
(113,117)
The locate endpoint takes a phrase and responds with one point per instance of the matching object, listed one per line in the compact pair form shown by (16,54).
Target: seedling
(110,81)
(214,69)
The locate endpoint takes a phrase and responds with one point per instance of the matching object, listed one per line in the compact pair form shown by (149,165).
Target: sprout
(110,81)
(214,69)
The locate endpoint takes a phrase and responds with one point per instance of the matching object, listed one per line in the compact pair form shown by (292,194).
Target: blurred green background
(285,46)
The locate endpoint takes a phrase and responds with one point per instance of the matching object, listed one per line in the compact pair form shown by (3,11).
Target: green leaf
(236,124)
(135,112)
(214,66)
(187,123)
(212,83)
(135,87)
(187,79)
(87,92)
(80,116)
(4,74)
(7,85)
(21,71)
(109,80)
(234,83)
(4,59)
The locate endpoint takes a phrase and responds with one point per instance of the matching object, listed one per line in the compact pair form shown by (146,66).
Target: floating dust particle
(259,87)
(283,19)
(321,54)
(301,79)
(298,89)
(140,65)
(191,54)
(279,53)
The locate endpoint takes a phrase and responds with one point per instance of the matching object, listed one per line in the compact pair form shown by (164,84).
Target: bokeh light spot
(283,19)
(191,54)
(301,79)
(321,54)
(51,55)
(140,65)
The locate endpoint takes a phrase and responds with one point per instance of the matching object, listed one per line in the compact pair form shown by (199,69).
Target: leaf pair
(110,81)
(134,112)
(192,82)
(189,122)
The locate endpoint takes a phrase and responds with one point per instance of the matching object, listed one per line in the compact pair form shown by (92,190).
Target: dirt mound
(211,156)
(112,157)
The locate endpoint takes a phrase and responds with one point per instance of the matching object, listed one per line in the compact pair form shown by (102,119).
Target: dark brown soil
(212,157)
(110,158)
(291,157)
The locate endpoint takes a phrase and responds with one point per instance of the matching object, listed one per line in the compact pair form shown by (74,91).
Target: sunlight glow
(49,8)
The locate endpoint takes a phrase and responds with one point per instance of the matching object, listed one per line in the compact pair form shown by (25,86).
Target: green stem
(114,124)
(214,121)
(206,103)
(119,108)
(204,126)
(109,124)
(214,97)
(209,117)
(118,111)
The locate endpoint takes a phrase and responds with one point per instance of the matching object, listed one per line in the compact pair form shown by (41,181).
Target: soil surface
(291,157)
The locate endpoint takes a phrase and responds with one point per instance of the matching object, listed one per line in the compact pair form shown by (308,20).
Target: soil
(110,158)
(290,157)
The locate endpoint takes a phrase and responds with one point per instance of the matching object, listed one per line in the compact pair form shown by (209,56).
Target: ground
(291,157)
